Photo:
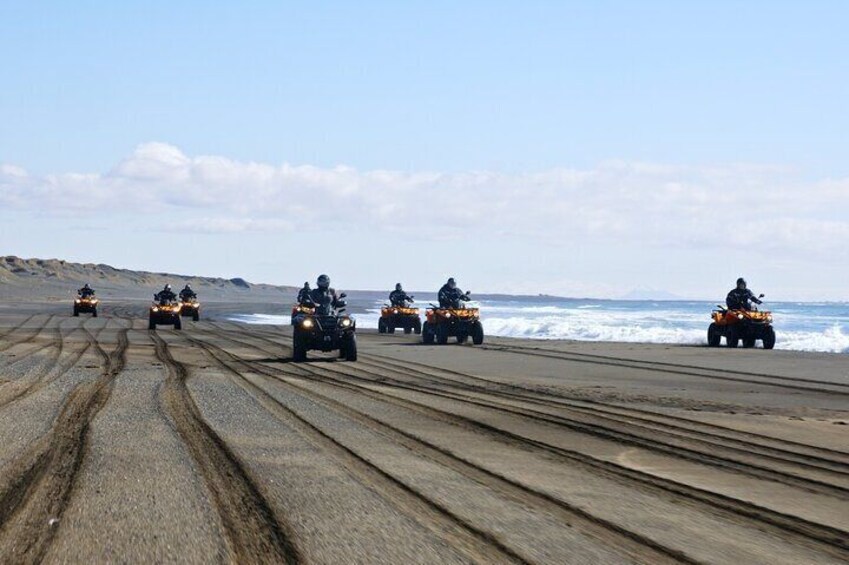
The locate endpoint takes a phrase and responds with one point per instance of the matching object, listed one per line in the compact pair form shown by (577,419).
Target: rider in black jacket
(304,293)
(324,298)
(86,291)
(741,297)
(187,293)
(165,295)
(398,297)
(450,296)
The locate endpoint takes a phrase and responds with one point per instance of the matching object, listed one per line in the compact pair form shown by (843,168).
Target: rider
(187,293)
(398,297)
(739,298)
(165,295)
(450,296)
(304,293)
(324,298)
(86,291)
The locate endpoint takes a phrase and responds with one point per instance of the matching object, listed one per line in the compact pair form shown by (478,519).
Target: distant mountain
(650,294)
(54,277)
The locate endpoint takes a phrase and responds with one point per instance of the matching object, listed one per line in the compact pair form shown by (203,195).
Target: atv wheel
(441,334)
(462,338)
(151,325)
(417,327)
(769,338)
(477,333)
(299,350)
(713,336)
(94,314)
(427,334)
(76,313)
(196,317)
(178,324)
(390,329)
(351,348)
(731,337)
(381,326)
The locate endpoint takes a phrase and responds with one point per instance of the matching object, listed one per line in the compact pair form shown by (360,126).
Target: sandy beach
(209,445)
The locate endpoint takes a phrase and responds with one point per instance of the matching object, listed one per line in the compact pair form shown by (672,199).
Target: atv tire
(427,334)
(299,350)
(714,336)
(732,337)
(769,338)
(94,314)
(76,313)
(390,329)
(477,333)
(381,326)
(417,327)
(178,324)
(196,317)
(351,348)
(151,325)
(441,334)
(462,338)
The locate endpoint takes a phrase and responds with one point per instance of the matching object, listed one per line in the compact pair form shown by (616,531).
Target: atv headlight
(448,314)
(77,301)
(307,323)
(739,316)
(155,309)
(346,322)
(395,311)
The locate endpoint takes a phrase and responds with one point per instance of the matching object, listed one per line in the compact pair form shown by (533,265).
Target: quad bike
(458,321)
(190,307)
(165,313)
(299,309)
(86,305)
(324,329)
(404,317)
(737,326)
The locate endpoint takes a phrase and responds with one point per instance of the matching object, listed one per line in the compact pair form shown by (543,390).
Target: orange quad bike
(461,323)
(746,326)
(404,317)
(86,305)
(190,307)
(165,313)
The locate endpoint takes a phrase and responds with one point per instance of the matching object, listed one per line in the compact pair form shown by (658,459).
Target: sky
(570,148)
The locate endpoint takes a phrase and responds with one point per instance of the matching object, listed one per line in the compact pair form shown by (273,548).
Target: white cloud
(652,204)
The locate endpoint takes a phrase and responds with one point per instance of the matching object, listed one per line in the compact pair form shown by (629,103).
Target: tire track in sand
(16,390)
(629,543)
(822,537)
(37,486)
(252,532)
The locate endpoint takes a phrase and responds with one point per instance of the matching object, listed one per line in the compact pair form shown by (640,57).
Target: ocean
(799,326)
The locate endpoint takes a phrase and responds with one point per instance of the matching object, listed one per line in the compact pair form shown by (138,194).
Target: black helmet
(741,281)
(167,287)
(452,283)
(85,286)
(306,285)
(398,286)
(323,281)
(188,286)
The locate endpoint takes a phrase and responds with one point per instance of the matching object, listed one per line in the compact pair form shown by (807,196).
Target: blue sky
(582,148)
